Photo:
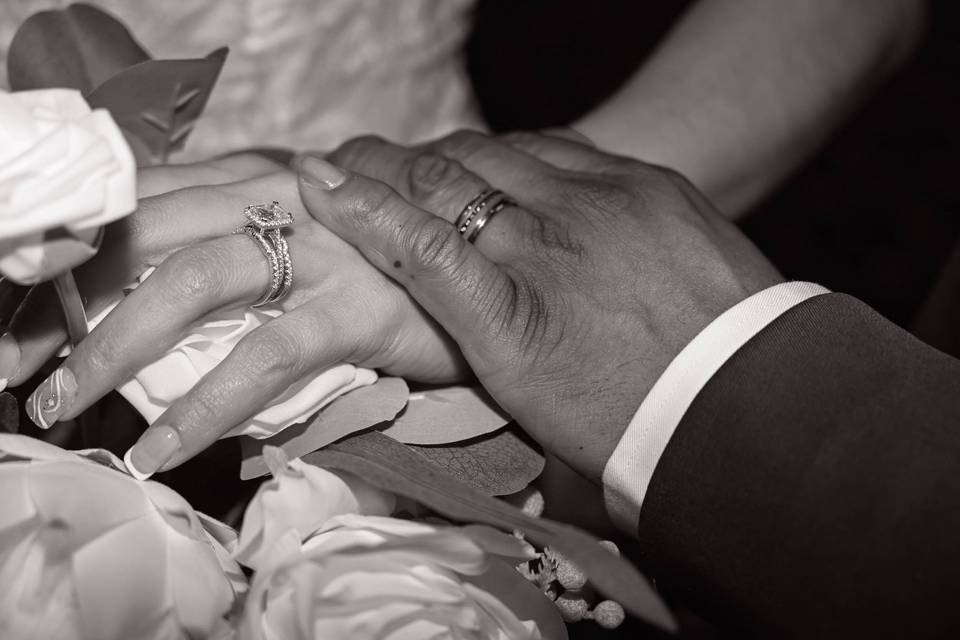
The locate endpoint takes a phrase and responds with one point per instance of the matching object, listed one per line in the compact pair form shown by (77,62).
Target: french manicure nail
(9,357)
(52,398)
(319,173)
(154,448)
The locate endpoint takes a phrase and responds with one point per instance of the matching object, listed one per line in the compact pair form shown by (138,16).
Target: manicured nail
(154,448)
(52,398)
(9,358)
(319,173)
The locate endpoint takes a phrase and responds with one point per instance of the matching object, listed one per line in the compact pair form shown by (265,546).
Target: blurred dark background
(874,214)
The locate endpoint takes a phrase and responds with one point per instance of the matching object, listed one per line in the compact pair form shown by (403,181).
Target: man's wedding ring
(264,223)
(479,211)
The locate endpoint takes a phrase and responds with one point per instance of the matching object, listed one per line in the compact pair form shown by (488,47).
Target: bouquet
(382,516)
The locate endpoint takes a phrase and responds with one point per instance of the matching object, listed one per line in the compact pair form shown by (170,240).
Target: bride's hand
(340,309)
(37,331)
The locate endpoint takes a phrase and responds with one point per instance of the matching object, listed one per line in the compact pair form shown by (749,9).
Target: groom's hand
(572,302)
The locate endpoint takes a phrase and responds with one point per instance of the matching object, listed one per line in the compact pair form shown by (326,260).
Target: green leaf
(360,409)
(159,101)
(388,464)
(497,464)
(79,47)
(447,414)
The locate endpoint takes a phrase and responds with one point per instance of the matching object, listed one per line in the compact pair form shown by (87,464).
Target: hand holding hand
(571,303)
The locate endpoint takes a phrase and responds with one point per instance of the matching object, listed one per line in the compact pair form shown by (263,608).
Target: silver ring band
(264,225)
(466,215)
(276,267)
(479,211)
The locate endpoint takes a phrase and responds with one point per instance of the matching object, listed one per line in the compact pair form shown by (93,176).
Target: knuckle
(431,171)
(372,204)
(556,236)
(193,274)
(270,351)
(660,189)
(437,246)
(536,327)
(522,138)
(601,196)
(651,176)
(676,179)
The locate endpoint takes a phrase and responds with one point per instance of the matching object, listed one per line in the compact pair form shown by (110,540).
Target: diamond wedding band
(264,224)
(479,211)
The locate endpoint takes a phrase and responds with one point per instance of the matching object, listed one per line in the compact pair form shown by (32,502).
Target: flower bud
(572,607)
(608,614)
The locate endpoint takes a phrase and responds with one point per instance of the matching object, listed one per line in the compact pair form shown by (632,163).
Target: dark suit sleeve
(812,489)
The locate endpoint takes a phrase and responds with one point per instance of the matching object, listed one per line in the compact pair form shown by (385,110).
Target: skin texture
(567,309)
(340,309)
(571,303)
(742,92)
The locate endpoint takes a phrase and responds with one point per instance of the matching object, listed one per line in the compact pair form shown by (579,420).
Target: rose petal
(197,586)
(505,587)
(120,581)
(497,542)
(63,492)
(61,166)
(302,498)
(17,501)
(155,387)
(84,541)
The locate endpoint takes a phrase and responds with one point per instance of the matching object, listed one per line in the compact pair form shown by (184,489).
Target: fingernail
(52,398)
(9,357)
(319,173)
(154,448)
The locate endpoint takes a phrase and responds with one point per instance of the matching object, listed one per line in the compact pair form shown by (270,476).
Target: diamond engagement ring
(265,224)
(479,211)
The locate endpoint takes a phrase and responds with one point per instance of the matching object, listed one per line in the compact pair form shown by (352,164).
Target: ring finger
(446,188)
(161,225)
(189,285)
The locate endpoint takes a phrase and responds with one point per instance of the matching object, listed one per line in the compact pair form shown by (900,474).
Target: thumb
(445,274)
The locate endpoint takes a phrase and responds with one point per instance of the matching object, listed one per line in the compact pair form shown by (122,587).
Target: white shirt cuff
(630,469)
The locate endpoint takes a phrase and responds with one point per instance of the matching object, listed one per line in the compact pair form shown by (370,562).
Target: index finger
(152,181)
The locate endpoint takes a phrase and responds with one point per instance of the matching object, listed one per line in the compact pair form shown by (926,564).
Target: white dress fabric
(305,74)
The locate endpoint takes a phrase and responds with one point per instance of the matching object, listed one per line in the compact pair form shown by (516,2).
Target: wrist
(630,469)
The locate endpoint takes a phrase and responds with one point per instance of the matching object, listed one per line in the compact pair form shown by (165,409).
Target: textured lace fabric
(305,74)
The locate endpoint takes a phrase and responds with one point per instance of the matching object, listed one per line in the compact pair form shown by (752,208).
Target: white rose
(155,387)
(298,501)
(376,578)
(65,171)
(86,551)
